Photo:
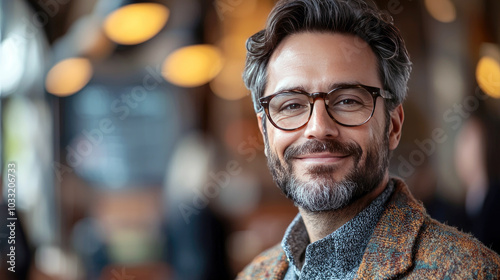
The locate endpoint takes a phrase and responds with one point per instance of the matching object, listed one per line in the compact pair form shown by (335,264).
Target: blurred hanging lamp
(441,10)
(193,65)
(135,23)
(68,76)
(488,70)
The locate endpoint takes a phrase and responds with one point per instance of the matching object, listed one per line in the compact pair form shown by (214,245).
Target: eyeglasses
(347,105)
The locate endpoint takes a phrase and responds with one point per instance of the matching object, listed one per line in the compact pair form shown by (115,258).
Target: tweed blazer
(406,244)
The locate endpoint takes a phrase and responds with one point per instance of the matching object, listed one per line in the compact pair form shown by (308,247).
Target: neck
(321,224)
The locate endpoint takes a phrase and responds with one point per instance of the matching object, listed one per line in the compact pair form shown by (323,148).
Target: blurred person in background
(478,166)
(328,79)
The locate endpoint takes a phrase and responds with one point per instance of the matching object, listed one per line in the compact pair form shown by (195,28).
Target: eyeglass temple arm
(385,94)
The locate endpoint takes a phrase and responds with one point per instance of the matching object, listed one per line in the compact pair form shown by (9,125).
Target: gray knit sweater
(338,255)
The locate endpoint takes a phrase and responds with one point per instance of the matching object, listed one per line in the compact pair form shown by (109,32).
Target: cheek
(377,131)
(280,140)
(368,136)
(375,135)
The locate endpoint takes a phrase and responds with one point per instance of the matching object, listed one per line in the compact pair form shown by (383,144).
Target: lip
(322,158)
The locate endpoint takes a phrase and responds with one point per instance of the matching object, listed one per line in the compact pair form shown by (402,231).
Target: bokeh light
(136,23)
(11,68)
(441,10)
(68,76)
(229,84)
(488,76)
(192,66)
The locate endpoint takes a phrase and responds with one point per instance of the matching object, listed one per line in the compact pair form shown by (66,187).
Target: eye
(292,106)
(348,101)
(289,104)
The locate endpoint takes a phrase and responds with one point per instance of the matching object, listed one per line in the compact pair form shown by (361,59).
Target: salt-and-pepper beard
(322,192)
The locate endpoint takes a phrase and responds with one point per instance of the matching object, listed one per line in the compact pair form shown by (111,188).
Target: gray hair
(354,17)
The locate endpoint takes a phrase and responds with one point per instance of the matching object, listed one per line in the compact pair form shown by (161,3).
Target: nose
(321,125)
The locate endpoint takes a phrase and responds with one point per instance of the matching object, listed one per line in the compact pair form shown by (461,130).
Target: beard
(322,192)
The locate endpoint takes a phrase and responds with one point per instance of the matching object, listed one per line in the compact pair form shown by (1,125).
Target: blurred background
(137,151)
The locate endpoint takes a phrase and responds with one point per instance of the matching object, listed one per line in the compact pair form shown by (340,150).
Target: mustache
(317,146)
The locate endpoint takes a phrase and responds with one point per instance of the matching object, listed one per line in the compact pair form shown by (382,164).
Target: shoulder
(454,252)
(407,241)
(271,264)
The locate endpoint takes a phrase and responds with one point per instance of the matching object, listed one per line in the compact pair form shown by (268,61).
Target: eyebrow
(302,88)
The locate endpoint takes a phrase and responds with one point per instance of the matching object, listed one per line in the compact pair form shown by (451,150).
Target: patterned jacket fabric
(406,244)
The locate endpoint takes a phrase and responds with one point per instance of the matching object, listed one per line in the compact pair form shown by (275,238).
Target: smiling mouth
(321,158)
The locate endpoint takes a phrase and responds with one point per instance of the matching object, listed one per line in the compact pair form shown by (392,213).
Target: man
(328,78)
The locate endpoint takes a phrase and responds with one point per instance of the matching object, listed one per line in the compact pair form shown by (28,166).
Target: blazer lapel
(389,251)
(270,265)
(279,269)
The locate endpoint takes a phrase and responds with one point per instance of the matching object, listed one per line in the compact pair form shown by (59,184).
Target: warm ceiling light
(441,10)
(68,76)
(192,66)
(488,76)
(136,23)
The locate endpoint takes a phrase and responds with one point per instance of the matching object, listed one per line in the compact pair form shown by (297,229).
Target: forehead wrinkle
(290,88)
(331,87)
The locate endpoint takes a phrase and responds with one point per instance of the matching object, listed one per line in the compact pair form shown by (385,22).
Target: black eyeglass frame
(374,91)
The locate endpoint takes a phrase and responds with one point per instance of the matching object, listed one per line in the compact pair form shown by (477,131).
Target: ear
(259,122)
(262,129)
(396,127)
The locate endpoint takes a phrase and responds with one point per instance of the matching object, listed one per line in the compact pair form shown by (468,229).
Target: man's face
(325,166)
